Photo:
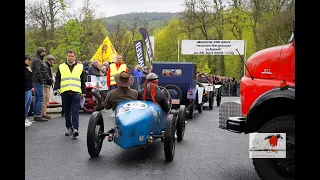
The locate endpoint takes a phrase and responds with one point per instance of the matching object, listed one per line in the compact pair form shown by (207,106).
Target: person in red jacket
(115,68)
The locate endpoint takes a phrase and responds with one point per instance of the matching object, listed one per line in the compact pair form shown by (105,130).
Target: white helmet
(152,76)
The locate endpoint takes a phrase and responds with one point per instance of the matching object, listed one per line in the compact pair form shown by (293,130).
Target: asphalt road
(207,152)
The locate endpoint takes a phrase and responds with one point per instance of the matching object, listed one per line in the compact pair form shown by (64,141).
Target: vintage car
(179,79)
(209,93)
(137,123)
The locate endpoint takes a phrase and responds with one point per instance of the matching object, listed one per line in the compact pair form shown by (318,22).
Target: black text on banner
(139,53)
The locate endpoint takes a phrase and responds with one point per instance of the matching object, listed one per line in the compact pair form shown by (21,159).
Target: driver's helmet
(152,77)
(151,86)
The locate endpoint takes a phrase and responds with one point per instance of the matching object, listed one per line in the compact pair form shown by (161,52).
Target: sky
(108,8)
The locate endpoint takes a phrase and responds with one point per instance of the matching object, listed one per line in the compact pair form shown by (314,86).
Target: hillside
(153,18)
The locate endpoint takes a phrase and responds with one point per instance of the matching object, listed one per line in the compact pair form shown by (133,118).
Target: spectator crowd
(39,78)
(230,86)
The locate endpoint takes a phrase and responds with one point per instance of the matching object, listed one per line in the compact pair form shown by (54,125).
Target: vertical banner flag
(105,52)
(152,45)
(139,52)
(146,38)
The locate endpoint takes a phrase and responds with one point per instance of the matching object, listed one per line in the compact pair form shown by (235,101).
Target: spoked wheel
(211,100)
(95,128)
(169,138)
(218,96)
(279,168)
(92,102)
(181,123)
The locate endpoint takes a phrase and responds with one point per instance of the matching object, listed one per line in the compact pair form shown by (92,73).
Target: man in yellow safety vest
(70,79)
(115,68)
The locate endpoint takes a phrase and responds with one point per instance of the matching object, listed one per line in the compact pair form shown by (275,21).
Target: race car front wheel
(169,138)
(95,128)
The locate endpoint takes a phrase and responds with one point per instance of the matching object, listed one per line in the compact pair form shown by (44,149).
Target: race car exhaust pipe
(185,123)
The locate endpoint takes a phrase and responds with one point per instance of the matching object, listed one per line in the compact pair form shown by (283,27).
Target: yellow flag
(105,53)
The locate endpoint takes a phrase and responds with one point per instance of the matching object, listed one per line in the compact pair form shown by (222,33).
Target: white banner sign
(212,47)
(100,80)
(152,45)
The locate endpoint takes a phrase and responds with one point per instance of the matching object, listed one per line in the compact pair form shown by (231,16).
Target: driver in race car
(124,80)
(151,92)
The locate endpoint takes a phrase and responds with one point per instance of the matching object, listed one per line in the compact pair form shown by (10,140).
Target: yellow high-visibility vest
(114,71)
(70,81)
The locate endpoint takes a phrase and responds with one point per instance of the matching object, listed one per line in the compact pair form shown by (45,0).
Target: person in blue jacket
(137,76)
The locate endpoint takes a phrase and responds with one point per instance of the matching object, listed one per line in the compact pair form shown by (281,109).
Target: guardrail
(228,90)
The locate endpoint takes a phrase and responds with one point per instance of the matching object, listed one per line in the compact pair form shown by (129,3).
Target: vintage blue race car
(137,123)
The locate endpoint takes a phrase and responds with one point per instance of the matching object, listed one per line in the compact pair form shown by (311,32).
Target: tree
(123,37)
(93,30)
(278,30)
(258,8)
(238,18)
(44,14)
(166,46)
(31,42)
(68,37)
(197,16)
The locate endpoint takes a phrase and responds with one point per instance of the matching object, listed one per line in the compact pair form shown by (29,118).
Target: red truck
(267,94)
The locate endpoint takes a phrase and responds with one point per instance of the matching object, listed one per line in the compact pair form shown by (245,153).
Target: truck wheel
(92,102)
(190,114)
(211,100)
(181,124)
(219,97)
(95,128)
(277,168)
(169,138)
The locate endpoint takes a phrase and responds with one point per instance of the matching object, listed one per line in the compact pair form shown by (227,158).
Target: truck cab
(267,103)
(268,67)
